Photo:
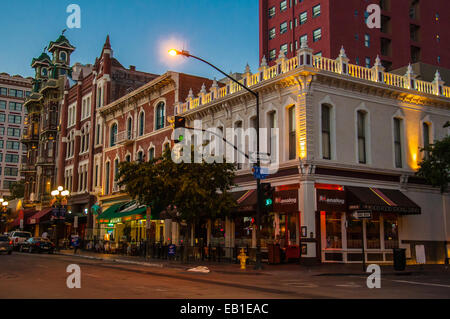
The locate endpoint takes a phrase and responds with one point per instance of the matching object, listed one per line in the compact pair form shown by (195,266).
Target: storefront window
(354,233)
(218,232)
(373,232)
(390,232)
(333,230)
(292,229)
(243,231)
(270,229)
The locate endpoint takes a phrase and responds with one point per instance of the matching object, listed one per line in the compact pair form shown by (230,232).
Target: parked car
(19,237)
(38,244)
(5,244)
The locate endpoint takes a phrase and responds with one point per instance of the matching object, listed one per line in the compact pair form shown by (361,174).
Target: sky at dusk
(141,32)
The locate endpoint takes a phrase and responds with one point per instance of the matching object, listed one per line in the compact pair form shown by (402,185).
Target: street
(42,276)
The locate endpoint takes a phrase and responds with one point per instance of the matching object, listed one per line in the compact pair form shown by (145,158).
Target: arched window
(107,168)
(83,140)
(151,154)
(361,127)
(129,128)
(63,56)
(140,156)
(160,115)
(113,135)
(44,71)
(128,158)
(292,134)
(426,139)
(141,123)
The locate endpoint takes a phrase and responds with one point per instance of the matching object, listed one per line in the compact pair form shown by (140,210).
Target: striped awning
(246,200)
(380,200)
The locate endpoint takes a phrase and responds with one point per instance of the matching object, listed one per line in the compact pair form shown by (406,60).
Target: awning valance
(110,212)
(380,200)
(40,216)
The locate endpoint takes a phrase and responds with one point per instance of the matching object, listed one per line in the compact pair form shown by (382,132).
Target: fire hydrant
(243,258)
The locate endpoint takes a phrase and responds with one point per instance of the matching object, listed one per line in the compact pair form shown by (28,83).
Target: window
(14,119)
(385,24)
(1,144)
(151,154)
(99,133)
(140,156)
(356,36)
(284,48)
(107,172)
(385,47)
(426,138)
(27,93)
(272,34)
(15,93)
(129,128)
(414,31)
(12,145)
(13,106)
(283,5)
(160,115)
(2,105)
(11,171)
(116,170)
(142,121)
(357,61)
(316,11)
(3,91)
(398,143)
(283,27)
(415,54)
(166,147)
(2,131)
(292,134)
(2,117)
(361,123)
(113,135)
(271,12)
(367,62)
(303,17)
(11,158)
(333,230)
(271,138)
(238,143)
(303,39)
(272,56)
(128,158)
(63,56)
(367,40)
(71,116)
(13,131)
(317,34)
(326,131)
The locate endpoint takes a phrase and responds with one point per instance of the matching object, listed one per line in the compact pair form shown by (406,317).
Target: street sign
(363,214)
(21,224)
(260,172)
(75,222)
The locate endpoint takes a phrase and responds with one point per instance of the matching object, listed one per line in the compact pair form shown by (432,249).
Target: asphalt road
(44,276)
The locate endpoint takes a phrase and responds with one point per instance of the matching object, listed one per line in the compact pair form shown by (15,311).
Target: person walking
(75,243)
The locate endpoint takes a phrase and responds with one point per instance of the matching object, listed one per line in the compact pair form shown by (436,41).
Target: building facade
(13,91)
(81,139)
(411,30)
(136,128)
(349,140)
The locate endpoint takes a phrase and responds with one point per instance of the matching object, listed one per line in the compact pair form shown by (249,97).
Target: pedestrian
(75,243)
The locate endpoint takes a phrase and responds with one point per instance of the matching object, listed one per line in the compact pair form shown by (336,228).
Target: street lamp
(174,52)
(59,194)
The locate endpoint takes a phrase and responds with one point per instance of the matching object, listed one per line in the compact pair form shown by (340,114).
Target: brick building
(136,128)
(411,30)
(13,91)
(80,139)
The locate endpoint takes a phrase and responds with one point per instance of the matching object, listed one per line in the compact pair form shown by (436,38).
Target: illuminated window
(272,56)
(367,40)
(283,27)
(303,17)
(317,35)
(284,48)
(283,5)
(303,39)
(271,12)
(272,33)
(316,11)
(160,113)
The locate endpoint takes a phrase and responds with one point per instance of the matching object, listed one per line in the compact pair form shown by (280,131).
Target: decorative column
(411,78)
(214,90)
(438,84)
(305,55)
(202,94)
(342,61)
(262,69)
(247,75)
(281,61)
(377,71)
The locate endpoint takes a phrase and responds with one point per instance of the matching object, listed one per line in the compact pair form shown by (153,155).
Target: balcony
(29,138)
(125,137)
(45,161)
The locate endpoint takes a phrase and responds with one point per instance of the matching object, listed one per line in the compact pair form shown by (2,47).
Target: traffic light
(179,122)
(267,195)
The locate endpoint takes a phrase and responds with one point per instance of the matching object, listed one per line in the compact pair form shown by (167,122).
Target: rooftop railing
(306,58)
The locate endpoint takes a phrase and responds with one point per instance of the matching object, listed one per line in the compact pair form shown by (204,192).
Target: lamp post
(59,195)
(185,53)
(4,212)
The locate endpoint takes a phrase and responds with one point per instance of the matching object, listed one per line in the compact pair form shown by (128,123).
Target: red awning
(39,216)
(26,213)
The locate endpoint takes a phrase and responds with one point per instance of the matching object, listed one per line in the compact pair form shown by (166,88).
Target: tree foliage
(197,190)
(17,189)
(436,167)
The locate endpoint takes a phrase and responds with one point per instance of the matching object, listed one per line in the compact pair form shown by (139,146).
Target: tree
(198,190)
(436,168)
(17,189)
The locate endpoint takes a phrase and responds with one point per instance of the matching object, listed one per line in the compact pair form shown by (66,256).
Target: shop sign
(330,200)
(115,220)
(32,221)
(286,201)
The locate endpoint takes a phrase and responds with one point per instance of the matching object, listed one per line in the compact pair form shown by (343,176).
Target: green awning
(137,211)
(110,212)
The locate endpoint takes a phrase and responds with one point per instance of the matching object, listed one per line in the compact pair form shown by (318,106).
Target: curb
(120,261)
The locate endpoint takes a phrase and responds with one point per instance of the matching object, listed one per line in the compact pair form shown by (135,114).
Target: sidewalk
(326,269)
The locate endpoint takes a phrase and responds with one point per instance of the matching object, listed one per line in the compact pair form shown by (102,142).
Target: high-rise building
(411,30)
(13,91)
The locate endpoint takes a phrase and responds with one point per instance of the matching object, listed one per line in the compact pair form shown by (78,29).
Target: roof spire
(107,44)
